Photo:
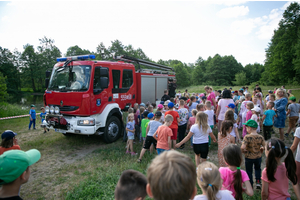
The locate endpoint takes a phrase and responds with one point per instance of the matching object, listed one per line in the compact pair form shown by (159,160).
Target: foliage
(3,88)
(240,78)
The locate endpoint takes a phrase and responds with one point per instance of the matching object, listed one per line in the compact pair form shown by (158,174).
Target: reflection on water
(26,100)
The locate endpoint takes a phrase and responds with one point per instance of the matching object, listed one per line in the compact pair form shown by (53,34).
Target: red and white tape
(13,117)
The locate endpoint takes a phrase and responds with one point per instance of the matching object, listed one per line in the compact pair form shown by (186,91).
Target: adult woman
(210,95)
(226,99)
(279,107)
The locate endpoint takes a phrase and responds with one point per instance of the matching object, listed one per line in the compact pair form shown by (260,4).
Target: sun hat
(166,102)
(14,162)
(158,114)
(231,105)
(251,123)
(142,104)
(292,98)
(256,109)
(160,106)
(8,134)
(171,105)
(150,115)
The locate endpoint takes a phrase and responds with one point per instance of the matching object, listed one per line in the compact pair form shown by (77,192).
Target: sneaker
(127,152)
(286,135)
(133,153)
(48,130)
(34,128)
(139,160)
(45,132)
(258,185)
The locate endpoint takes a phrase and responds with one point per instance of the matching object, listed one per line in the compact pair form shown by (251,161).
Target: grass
(7,110)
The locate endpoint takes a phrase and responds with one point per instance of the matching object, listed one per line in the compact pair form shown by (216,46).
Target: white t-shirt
(210,119)
(297,134)
(199,136)
(233,132)
(254,117)
(221,195)
(222,104)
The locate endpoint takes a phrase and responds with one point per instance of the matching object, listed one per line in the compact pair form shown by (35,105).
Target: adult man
(172,87)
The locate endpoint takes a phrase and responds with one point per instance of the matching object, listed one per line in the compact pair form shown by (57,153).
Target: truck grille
(66,108)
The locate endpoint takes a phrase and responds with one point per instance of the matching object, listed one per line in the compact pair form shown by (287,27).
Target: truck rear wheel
(112,129)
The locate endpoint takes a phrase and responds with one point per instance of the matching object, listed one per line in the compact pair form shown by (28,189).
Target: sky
(165,29)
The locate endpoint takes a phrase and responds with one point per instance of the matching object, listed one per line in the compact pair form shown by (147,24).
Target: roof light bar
(73,58)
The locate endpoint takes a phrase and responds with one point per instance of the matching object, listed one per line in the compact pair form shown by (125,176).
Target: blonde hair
(172,176)
(247,96)
(250,104)
(130,110)
(201,120)
(208,104)
(142,109)
(168,118)
(209,179)
(181,102)
(206,87)
(284,93)
(131,115)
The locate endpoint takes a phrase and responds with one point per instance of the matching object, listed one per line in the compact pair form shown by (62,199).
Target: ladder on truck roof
(148,64)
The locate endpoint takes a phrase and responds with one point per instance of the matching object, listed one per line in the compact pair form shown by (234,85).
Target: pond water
(26,100)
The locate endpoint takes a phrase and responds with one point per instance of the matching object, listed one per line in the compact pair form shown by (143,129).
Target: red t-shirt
(175,116)
(2,150)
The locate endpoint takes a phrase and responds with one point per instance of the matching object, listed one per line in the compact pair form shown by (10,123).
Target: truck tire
(112,130)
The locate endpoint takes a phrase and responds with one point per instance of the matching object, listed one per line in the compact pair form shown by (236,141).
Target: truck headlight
(51,109)
(86,122)
(47,109)
(56,110)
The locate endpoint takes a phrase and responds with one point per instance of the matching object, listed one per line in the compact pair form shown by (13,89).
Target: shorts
(201,149)
(159,151)
(174,131)
(149,140)
(292,121)
(131,137)
(298,170)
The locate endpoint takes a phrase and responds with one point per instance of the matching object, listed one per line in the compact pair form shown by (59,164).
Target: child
(130,134)
(210,113)
(131,185)
(232,175)
(14,174)
(42,117)
(140,118)
(243,108)
(171,175)
(255,116)
(231,106)
(184,115)
(191,122)
(9,141)
(253,146)
(229,116)
(192,105)
(32,116)
(293,112)
(248,115)
(276,175)
(268,119)
(151,129)
(124,118)
(200,130)
(144,125)
(160,109)
(241,100)
(272,98)
(176,120)
(224,139)
(200,107)
(210,182)
(163,135)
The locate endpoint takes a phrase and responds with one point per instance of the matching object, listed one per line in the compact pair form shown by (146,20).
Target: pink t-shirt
(192,121)
(222,104)
(279,188)
(162,137)
(228,177)
(210,97)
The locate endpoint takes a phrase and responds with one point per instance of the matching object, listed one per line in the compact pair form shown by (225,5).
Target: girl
(9,141)
(224,139)
(276,175)
(229,116)
(210,182)
(248,116)
(200,131)
(256,116)
(192,105)
(190,123)
(233,177)
(130,133)
(220,114)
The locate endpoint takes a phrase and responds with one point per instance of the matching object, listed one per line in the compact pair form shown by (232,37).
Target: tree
(76,50)
(3,88)
(240,78)
(182,75)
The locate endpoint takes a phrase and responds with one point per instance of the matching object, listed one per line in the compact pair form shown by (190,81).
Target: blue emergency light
(82,57)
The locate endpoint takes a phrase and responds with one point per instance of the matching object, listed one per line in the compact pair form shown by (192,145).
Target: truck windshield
(70,78)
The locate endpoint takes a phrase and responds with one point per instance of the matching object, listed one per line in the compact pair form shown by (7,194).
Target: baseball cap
(160,106)
(251,123)
(158,114)
(145,114)
(292,98)
(142,104)
(150,115)
(8,134)
(270,91)
(231,105)
(256,109)
(166,102)
(32,105)
(14,162)
(171,105)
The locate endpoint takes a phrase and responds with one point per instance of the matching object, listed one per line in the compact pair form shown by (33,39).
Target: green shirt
(125,115)
(144,125)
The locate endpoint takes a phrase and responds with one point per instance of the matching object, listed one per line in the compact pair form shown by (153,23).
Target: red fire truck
(86,96)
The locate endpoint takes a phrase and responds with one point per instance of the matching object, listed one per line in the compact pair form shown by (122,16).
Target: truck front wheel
(112,129)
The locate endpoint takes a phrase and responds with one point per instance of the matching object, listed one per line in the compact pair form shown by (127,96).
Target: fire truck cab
(86,97)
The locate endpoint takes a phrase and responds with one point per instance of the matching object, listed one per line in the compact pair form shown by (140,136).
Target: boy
(163,135)
(9,141)
(42,118)
(32,116)
(253,146)
(151,129)
(293,112)
(131,186)
(176,120)
(272,97)
(144,125)
(268,118)
(171,175)
(15,171)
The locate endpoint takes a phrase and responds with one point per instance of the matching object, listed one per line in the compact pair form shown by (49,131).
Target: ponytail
(290,165)
(271,165)
(225,127)
(211,192)
(237,184)
(192,99)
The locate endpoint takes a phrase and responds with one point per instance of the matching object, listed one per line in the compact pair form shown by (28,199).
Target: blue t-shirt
(43,115)
(269,117)
(130,126)
(32,113)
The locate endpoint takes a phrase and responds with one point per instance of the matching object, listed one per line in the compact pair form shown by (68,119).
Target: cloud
(4,18)
(229,3)
(245,27)
(233,12)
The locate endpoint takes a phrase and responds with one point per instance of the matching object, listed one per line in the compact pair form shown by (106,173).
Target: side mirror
(48,73)
(104,82)
(47,82)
